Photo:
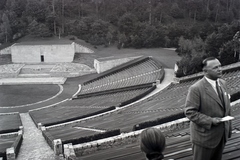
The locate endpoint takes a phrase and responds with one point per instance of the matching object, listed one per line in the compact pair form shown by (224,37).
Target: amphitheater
(100,116)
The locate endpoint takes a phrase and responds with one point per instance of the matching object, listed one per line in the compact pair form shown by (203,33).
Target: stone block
(57,146)
(69,151)
(43,128)
(10,153)
(21,129)
(39,125)
(20,132)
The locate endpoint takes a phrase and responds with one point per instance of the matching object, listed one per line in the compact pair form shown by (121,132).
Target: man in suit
(207,102)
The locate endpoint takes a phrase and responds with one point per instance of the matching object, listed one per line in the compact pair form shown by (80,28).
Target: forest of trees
(197,28)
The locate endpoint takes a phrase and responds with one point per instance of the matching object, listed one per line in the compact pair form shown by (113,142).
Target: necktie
(220,93)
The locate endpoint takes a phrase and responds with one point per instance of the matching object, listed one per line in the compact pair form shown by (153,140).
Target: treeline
(127,23)
(222,42)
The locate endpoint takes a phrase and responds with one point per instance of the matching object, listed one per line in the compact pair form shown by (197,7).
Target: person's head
(212,68)
(152,143)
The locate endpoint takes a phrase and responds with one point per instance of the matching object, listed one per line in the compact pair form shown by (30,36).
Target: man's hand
(216,121)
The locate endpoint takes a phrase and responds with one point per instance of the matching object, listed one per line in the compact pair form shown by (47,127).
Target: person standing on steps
(206,104)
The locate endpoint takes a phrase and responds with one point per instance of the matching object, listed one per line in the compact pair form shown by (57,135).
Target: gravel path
(34,146)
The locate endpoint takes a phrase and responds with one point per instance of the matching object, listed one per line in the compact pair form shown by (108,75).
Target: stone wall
(10,70)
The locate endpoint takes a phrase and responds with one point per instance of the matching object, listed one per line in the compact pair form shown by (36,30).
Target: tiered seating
(233,82)
(13,121)
(6,142)
(9,136)
(127,118)
(147,71)
(178,146)
(162,105)
(83,107)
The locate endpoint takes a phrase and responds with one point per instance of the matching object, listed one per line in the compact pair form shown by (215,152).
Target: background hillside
(198,28)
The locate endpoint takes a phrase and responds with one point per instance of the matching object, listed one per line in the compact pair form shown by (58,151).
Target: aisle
(34,146)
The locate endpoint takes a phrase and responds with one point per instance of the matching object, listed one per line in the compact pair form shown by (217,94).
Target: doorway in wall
(42,58)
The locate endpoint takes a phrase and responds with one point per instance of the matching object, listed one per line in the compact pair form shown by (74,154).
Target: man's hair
(204,62)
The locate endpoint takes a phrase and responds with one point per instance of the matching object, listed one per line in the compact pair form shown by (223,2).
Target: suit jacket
(203,104)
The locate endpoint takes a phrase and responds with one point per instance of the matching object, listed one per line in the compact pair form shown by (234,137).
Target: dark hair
(204,62)
(153,143)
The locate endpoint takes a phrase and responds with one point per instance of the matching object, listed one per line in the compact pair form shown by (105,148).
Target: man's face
(213,69)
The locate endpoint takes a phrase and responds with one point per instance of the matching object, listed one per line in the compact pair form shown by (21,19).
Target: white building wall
(23,53)
(51,53)
(105,65)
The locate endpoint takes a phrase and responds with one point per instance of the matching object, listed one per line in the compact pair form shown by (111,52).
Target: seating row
(11,137)
(144,72)
(83,107)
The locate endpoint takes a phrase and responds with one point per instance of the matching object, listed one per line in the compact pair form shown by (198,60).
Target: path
(34,146)
(168,79)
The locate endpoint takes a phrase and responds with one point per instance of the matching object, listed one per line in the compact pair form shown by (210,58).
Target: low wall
(69,74)
(124,138)
(10,70)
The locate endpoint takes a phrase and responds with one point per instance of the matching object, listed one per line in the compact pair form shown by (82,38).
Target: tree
(39,29)
(175,11)
(36,10)
(227,53)
(109,37)
(122,39)
(2,4)
(236,44)
(213,44)
(126,23)
(194,6)
(6,28)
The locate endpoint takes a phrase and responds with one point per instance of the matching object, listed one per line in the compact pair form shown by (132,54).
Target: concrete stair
(34,75)
(22,81)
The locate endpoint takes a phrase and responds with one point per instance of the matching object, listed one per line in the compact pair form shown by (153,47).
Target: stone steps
(22,81)
(34,75)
